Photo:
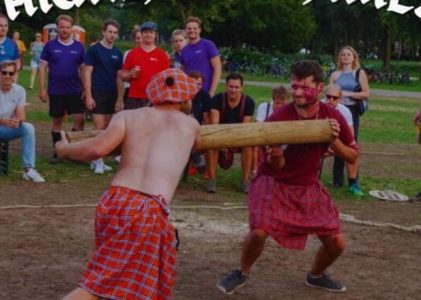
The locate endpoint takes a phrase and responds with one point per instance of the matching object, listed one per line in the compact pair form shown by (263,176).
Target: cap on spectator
(171,85)
(148,26)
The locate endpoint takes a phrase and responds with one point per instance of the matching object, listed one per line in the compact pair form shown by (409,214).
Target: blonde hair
(65,18)
(355,64)
(178,32)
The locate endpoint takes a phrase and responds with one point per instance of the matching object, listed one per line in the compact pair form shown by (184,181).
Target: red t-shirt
(302,161)
(150,63)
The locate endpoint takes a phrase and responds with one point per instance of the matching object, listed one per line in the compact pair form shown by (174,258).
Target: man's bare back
(155,150)
(155,147)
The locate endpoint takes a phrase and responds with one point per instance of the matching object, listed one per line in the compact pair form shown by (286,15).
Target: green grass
(388,122)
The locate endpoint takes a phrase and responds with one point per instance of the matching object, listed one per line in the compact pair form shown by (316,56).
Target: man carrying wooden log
(286,200)
(135,242)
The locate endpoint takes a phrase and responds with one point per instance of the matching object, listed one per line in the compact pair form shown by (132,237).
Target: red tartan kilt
(135,248)
(289,213)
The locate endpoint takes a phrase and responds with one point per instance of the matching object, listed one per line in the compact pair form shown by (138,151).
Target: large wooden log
(249,134)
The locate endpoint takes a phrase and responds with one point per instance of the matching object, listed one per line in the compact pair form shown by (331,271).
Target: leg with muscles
(252,249)
(80,294)
(332,247)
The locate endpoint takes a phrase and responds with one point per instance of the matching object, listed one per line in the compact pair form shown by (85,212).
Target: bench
(4,158)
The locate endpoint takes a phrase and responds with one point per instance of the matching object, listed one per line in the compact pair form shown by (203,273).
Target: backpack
(362,103)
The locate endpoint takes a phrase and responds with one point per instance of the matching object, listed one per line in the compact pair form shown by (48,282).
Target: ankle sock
(352,181)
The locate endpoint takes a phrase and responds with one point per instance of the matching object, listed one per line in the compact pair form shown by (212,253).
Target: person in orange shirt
(21,48)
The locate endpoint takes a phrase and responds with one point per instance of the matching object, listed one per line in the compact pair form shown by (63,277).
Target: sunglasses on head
(7,73)
(332,97)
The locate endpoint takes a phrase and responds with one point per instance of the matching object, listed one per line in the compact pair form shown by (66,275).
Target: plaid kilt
(288,213)
(134,247)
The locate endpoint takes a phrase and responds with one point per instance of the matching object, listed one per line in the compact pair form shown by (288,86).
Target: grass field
(386,127)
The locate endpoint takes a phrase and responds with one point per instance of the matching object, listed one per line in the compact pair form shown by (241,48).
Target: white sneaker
(32,175)
(99,169)
(107,168)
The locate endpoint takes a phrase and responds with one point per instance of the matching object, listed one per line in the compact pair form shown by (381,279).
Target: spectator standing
(333,98)
(286,200)
(201,55)
(137,39)
(345,76)
(141,64)
(63,58)
(8,48)
(12,119)
(178,42)
(231,106)
(102,90)
(36,50)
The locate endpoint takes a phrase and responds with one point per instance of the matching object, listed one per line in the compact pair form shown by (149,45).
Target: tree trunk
(387,57)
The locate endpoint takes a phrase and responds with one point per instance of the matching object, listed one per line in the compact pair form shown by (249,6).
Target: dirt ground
(43,251)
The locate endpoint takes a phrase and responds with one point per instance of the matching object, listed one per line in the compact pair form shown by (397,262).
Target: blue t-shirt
(106,63)
(63,66)
(197,57)
(9,50)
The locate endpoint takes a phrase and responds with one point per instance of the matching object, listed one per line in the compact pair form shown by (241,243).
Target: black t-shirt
(200,104)
(232,115)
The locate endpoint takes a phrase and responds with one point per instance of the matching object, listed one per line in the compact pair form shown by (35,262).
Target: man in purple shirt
(201,55)
(63,57)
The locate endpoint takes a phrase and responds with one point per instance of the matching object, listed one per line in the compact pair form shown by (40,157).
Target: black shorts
(134,103)
(104,102)
(65,104)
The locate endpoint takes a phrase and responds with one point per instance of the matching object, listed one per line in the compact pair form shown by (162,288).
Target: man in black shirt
(231,106)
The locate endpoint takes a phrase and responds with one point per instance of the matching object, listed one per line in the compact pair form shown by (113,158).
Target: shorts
(135,247)
(65,104)
(135,103)
(34,64)
(289,213)
(104,102)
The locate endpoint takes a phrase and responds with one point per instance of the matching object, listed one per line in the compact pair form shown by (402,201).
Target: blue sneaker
(356,191)
(324,282)
(231,282)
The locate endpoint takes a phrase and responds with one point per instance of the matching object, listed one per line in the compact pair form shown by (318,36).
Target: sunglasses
(7,73)
(332,97)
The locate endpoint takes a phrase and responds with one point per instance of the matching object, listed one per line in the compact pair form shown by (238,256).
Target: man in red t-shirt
(141,64)
(286,200)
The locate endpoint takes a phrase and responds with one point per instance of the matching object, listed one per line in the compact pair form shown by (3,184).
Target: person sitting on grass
(280,95)
(12,117)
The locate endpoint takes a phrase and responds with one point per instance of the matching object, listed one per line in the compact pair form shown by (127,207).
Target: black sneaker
(211,187)
(231,282)
(54,159)
(324,282)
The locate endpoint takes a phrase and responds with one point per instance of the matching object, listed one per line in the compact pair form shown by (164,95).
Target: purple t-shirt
(63,66)
(197,57)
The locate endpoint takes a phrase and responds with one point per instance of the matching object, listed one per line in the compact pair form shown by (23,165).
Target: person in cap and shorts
(135,242)
(141,64)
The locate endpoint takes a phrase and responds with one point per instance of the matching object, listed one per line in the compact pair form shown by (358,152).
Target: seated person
(12,117)
(280,95)
(231,106)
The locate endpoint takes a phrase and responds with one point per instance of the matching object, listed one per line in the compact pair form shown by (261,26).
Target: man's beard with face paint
(310,94)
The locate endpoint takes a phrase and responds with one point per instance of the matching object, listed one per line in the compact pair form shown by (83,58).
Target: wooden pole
(249,134)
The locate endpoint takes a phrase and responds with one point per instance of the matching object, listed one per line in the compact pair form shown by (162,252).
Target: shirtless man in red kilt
(135,241)
(286,200)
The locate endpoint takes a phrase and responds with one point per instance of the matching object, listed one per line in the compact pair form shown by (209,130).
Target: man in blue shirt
(8,48)
(103,94)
